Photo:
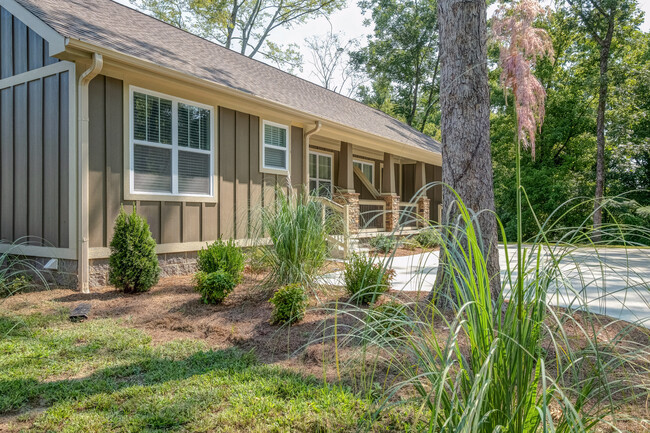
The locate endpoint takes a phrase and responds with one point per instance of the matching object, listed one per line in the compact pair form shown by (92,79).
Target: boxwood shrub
(366,279)
(289,304)
(222,256)
(214,286)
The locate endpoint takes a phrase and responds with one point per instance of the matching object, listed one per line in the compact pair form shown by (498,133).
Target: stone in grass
(80,312)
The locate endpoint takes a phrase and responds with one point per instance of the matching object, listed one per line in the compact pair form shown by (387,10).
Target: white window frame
(287,160)
(174,147)
(319,179)
(372,168)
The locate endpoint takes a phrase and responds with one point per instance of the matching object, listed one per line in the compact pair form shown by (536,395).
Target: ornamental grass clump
(133,263)
(289,304)
(298,227)
(222,256)
(366,279)
(214,287)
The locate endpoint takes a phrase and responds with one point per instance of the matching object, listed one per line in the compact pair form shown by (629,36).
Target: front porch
(373,191)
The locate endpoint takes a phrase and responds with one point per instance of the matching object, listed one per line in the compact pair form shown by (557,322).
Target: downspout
(305,154)
(82,170)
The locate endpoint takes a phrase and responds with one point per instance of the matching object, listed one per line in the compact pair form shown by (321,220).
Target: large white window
(367,168)
(275,146)
(320,174)
(172,150)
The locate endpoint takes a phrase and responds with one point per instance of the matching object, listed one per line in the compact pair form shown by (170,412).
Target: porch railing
(341,240)
(372,214)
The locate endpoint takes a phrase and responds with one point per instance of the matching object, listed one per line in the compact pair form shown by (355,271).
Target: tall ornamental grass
(298,228)
(465,370)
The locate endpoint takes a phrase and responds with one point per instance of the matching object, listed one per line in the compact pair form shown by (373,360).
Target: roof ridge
(262,63)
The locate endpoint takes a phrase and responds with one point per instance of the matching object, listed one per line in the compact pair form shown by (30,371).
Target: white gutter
(82,170)
(305,153)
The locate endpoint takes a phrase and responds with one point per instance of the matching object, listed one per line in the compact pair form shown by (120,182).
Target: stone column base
(392,212)
(423,211)
(351,199)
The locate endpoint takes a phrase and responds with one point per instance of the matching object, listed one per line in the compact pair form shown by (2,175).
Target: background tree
(602,20)
(330,57)
(465,120)
(401,58)
(242,25)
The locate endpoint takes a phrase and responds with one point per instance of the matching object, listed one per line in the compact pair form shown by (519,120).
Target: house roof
(113,26)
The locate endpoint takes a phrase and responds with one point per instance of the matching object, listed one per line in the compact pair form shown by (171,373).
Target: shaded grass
(104,376)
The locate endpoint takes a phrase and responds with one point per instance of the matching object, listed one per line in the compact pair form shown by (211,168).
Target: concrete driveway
(610,281)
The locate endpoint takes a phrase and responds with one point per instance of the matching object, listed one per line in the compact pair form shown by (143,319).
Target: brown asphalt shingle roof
(117,27)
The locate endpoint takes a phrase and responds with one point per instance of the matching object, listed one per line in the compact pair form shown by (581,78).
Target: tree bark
(465,122)
(605,45)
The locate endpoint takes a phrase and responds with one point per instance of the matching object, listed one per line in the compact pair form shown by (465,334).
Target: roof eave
(378,142)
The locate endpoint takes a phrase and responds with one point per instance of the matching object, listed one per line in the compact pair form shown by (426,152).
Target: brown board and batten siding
(241,189)
(35,96)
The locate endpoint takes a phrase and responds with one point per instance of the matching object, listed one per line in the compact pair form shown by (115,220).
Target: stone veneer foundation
(352,200)
(424,205)
(171,264)
(392,212)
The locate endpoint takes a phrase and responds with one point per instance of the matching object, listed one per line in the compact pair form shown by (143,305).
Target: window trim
(330,156)
(263,146)
(372,167)
(174,147)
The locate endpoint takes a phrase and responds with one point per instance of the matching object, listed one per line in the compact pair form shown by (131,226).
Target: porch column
(344,194)
(389,193)
(424,204)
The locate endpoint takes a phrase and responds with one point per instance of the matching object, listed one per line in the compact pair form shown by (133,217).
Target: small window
(320,174)
(275,150)
(171,146)
(367,168)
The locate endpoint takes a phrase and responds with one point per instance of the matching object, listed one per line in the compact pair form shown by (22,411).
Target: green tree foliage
(565,163)
(401,58)
(133,263)
(243,25)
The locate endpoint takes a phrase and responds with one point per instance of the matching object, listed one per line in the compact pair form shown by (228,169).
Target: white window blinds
(275,149)
(171,146)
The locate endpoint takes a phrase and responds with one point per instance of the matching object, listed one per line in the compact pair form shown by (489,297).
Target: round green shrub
(222,256)
(289,304)
(365,279)
(383,243)
(214,286)
(428,238)
(133,263)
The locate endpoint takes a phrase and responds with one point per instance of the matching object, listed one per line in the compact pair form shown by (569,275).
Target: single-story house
(102,106)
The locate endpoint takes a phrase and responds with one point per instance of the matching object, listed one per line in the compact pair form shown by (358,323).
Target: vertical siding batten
(20,179)
(35,157)
(242,140)
(51,160)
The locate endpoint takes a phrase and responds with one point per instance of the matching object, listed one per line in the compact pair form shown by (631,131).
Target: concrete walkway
(610,281)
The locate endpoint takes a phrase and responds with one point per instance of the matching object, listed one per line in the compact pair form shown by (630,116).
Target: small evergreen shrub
(428,238)
(383,243)
(214,286)
(389,319)
(289,304)
(222,256)
(133,263)
(365,279)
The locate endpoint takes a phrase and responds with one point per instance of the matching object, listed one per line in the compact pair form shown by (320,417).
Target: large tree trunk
(465,109)
(605,45)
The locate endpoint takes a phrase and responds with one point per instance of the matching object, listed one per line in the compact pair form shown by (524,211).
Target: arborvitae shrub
(289,304)
(365,279)
(214,286)
(133,264)
(222,256)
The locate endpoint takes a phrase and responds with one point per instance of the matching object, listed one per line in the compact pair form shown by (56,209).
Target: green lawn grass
(102,375)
